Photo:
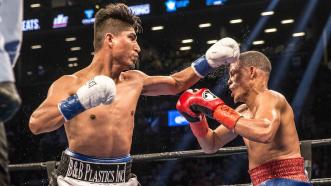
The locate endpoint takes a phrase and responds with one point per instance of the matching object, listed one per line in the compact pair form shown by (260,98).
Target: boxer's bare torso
(106,130)
(284,145)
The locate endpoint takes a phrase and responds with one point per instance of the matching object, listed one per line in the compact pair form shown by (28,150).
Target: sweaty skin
(283,142)
(267,125)
(106,130)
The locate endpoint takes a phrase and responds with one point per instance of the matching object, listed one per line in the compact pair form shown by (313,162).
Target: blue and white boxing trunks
(81,170)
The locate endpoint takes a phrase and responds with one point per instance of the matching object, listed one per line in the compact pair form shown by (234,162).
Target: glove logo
(91,83)
(207,95)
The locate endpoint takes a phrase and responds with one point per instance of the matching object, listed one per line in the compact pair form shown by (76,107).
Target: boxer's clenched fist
(99,90)
(224,51)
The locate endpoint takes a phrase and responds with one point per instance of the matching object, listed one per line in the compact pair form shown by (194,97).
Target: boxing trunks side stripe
(94,170)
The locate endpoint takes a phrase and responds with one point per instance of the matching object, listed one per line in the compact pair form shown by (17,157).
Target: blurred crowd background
(171,40)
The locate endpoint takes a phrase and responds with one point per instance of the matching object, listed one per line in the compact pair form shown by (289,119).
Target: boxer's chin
(235,100)
(132,67)
(235,97)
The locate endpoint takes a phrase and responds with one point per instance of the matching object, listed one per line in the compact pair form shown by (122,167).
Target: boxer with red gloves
(265,120)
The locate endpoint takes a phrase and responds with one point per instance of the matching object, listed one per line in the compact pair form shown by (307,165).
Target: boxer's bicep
(47,117)
(270,114)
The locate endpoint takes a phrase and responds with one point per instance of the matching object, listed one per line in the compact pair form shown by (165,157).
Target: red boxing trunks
(287,168)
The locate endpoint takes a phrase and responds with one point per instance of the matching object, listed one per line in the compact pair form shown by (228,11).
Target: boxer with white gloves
(99,128)
(99,90)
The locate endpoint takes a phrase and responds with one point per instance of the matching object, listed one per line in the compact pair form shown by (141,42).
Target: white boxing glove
(224,51)
(99,90)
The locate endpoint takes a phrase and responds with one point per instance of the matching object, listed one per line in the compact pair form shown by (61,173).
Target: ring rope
(169,155)
(177,155)
(321,180)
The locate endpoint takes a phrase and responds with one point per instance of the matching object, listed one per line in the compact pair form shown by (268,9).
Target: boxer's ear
(109,39)
(252,72)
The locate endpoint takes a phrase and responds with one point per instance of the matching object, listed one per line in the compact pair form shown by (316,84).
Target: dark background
(290,57)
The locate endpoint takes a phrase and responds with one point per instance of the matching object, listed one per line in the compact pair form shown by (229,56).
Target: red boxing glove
(212,106)
(202,100)
(183,106)
(198,122)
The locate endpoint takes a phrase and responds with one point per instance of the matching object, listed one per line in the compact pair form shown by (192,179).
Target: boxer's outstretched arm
(47,116)
(170,85)
(266,122)
(224,51)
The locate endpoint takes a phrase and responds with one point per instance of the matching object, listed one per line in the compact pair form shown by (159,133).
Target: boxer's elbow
(34,126)
(266,136)
(38,125)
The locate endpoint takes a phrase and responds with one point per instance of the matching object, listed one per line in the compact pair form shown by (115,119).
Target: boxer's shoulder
(273,98)
(270,96)
(243,110)
(280,98)
(274,93)
(67,79)
(71,77)
(66,82)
